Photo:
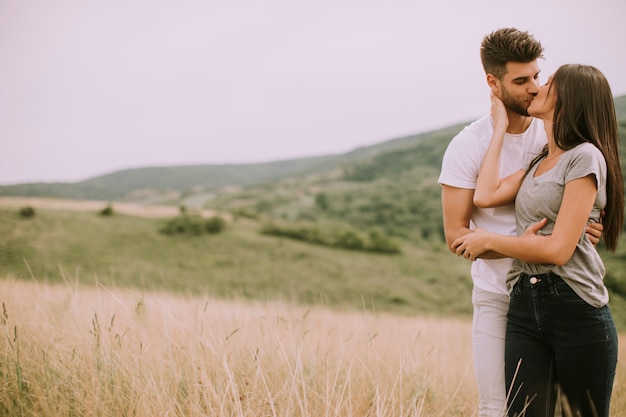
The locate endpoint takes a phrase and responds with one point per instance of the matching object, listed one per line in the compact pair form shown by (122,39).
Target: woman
(560,332)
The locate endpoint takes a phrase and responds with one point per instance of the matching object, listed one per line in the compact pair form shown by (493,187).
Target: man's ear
(494,83)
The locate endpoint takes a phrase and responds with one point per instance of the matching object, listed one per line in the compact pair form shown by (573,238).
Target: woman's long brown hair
(585,112)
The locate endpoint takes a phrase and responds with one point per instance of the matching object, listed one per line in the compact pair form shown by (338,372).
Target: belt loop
(552,281)
(552,277)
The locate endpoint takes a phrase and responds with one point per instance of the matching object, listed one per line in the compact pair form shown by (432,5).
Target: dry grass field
(76,351)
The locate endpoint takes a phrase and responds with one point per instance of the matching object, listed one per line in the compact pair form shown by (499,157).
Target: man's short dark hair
(508,45)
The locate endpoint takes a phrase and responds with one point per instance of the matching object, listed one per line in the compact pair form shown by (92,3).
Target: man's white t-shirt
(460,167)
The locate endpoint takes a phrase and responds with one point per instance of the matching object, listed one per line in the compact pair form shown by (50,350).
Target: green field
(242,263)
(239,263)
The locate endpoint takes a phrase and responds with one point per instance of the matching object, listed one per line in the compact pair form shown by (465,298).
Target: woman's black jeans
(554,339)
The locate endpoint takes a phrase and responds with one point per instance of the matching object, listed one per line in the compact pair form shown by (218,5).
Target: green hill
(135,184)
(177,184)
(240,262)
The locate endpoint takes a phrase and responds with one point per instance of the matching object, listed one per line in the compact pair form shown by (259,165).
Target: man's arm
(458,205)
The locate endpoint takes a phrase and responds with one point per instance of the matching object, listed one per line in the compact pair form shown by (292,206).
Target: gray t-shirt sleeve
(585,163)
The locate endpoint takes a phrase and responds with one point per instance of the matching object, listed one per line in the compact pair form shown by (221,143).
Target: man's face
(519,85)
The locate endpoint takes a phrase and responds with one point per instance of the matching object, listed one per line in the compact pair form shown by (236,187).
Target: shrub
(193,224)
(107,211)
(350,239)
(214,224)
(184,225)
(615,284)
(27,212)
(321,201)
(333,236)
(379,242)
(244,212)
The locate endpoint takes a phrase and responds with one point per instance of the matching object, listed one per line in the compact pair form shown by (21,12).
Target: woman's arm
(557,248)
(491,191)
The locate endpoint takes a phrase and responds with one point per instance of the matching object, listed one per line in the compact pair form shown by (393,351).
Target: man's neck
(518,123)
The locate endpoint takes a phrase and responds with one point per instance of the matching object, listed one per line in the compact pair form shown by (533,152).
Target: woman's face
(543,103)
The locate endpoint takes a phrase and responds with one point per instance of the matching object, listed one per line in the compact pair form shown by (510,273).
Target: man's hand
(594,231)
(535,227)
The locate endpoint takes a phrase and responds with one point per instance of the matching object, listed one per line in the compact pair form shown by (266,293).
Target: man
(509,57)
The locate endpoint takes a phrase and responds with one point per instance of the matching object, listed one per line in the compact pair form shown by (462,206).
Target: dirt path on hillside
(131,209)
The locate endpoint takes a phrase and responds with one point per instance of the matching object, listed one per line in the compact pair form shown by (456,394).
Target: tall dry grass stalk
(68,351)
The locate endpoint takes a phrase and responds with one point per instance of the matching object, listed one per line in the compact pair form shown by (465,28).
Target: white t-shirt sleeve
(461,162)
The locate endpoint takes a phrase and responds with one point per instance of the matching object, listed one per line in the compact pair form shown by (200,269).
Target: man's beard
(514,104)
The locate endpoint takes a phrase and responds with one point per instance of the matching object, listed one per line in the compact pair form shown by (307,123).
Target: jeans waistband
(536,280)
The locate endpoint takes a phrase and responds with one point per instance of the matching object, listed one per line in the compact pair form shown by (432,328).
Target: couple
(553,150)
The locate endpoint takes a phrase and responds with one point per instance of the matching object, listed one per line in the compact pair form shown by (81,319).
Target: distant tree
(184,225)
(27,212)
(321,201)
(107,211)
(214,224)
(193,224)
(246,212)
(350,239)
(379,242)
(333,236)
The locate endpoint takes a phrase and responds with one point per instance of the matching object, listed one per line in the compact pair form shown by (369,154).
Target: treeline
(336,236)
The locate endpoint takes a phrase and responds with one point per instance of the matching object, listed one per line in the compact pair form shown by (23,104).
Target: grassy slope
(241,263)
(128,251)
(395,190)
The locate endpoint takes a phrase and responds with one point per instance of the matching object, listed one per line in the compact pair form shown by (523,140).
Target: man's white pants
(488,333)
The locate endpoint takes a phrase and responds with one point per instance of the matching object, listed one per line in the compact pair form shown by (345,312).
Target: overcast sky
(91,87)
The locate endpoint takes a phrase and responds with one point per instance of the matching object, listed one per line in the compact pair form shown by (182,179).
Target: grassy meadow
(129,252)
(86,351)
(74,350)
(105,316)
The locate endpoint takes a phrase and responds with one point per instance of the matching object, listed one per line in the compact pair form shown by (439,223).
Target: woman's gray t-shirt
(541,197)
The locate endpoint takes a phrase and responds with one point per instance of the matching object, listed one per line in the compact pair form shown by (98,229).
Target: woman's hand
(498,113)
(472,245)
